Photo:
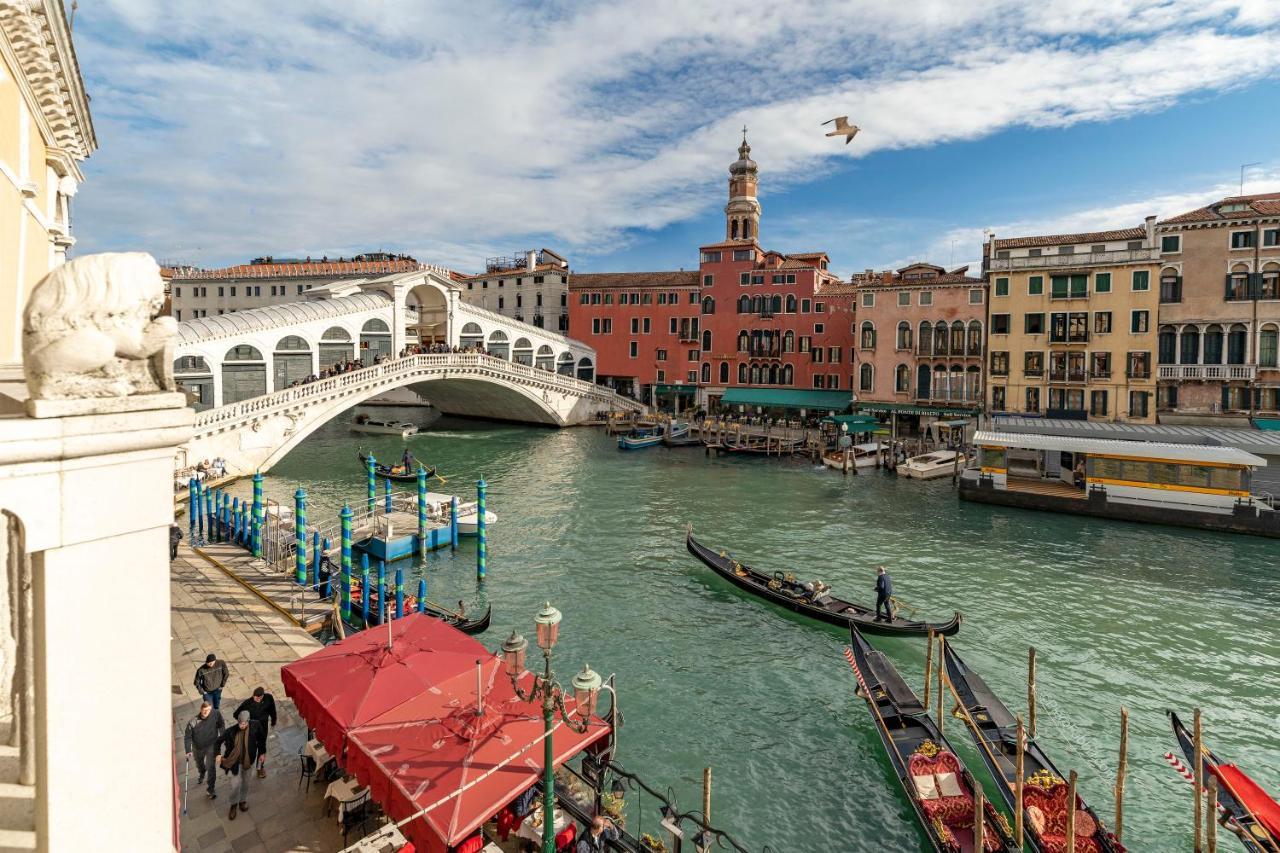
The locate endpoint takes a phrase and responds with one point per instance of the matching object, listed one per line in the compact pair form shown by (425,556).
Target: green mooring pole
(346,563)
(257,519)
(300,535)
(422,511)
(482,546)
(372,478)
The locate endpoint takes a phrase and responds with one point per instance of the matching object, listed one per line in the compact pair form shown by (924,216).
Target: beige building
(532,287)
(1220,311)
(1071,324)
(44,133)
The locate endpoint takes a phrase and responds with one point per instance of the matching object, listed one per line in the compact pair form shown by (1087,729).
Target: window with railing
(1099,365)
(1170,288)
(1033,363)
(1078,327)
(1033,400)
(999,363)
(1139,365)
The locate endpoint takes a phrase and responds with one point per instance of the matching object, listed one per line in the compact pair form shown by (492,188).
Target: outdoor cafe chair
(356,815)
(308,770)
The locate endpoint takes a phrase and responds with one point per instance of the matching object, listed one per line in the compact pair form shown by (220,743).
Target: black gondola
(384,471)
(467,626)
(786,591)
(995,732)
(1241,797)
(941,789)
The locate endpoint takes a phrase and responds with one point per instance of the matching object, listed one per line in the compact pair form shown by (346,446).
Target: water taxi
(860,456)
(369,426)
(1191,485)
(930,466)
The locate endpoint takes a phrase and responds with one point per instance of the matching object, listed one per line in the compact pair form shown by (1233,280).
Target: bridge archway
(498,345)
(375,340)
(193,375)
(522,351)
(244,374)
(586,369)
(471,336)
(546,358)
(335,347)
(429,302)
(564,364)
(292,361)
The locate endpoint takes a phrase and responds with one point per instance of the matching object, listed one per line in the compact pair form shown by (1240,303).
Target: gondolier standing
(884,594)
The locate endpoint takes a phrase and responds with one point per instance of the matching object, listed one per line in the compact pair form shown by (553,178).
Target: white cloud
(461,130)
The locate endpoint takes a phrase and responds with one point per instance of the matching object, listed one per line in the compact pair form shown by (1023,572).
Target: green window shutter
(1102,282)
(1079,285)
(1002,287)
(1058,285)
(1141,280)
(1035,285)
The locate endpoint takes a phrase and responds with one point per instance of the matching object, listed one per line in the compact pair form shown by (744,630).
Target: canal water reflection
(1148,617)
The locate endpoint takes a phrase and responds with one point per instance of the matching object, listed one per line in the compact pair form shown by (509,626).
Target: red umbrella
(351,682)
(436,751)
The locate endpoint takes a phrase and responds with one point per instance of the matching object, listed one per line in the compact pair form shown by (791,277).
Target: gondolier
(884,594)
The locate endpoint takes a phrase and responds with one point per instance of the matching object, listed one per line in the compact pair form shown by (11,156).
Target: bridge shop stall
(1205,487)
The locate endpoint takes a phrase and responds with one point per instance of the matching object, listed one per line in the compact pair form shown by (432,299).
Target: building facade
(920,341)
(195,293)
(46,132)
(1071,324)
(1220,311)
(531,287)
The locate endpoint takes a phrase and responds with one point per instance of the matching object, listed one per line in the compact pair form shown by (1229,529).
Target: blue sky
(460,131)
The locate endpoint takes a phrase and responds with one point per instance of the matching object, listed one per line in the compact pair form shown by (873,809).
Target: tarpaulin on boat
(437,752)
(355,680)
(1250,795)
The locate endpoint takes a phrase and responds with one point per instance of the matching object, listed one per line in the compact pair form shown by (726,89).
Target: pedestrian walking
(200,739)
(211,678)
(261,708)
(239,749)
(884,594)
(175,536)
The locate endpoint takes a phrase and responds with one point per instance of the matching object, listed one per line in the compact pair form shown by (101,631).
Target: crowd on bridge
(214,469)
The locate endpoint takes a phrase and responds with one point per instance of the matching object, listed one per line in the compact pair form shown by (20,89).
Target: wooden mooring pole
(1071,812)
(1120,771)
(928,668)
(942,647)
(979,818)
(1211,811)
(1018,782)
(706,795)
(1031,692)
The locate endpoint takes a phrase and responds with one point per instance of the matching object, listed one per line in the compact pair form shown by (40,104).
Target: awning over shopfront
(789,398)
(1268,424)
(682,390)
(856,423)
(913,409)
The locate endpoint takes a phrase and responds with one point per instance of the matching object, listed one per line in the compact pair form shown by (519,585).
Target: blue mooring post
(482,545)
(364,589)
(422,595)
(211,511)
(453,522)
(399,591)
(422,511)
(371,477)
(242,525)
(381,615)
(224,502)
(197,514)
(234,523)
(327,584)
(345,543)
(256,521)
(300,536)
(386,491)
(193,509)
(316,556)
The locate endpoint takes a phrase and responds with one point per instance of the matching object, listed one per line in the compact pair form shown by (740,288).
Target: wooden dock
(279,589)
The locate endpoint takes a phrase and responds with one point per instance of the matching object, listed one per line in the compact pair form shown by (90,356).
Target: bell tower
(742,213)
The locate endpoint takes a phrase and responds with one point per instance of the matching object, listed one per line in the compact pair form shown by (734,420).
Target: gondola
(383,472)
(994,730)
(786,591)
(941,789)
(467,626)
(1255,814)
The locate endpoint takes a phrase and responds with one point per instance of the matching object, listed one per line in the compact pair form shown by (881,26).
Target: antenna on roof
(1242,168)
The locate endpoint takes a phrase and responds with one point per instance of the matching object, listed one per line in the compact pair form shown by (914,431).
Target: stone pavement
(211,612)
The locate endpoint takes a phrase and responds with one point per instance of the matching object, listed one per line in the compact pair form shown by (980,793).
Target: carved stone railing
(467,309)
(379,374)
(20,670)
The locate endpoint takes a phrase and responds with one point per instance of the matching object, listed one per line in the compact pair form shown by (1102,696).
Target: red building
(752,327)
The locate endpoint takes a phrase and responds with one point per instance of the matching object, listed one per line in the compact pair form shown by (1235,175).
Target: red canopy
(435,745)
(351,682)
(1251,795)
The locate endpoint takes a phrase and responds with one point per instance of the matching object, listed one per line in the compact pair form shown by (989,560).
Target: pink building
(921,335)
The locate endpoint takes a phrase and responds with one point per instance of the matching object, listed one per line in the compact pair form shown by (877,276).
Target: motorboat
(930,466)
(861,456)
(370,426)
(467,517)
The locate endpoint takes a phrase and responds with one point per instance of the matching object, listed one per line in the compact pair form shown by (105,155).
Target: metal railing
(1208,371)
(1150,254)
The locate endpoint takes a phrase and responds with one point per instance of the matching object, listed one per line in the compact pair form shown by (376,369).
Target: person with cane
(201,739)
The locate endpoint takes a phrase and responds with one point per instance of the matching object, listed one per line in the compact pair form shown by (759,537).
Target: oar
(898,602)
(440,478)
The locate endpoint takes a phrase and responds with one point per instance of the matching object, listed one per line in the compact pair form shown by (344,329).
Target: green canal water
(1121,614)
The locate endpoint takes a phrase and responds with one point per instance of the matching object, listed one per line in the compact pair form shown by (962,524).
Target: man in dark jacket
(260,707)
(200,739)
(239,749)
(884,594)
(594,839)
(175,536)
(211,678)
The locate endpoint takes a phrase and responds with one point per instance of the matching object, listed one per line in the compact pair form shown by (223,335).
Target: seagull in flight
(843,128)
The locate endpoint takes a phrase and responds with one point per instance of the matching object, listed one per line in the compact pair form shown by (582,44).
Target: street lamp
(586,690)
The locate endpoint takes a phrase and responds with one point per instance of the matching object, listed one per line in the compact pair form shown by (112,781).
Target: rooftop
(665,279)
(276,316)
(1138,233)
(1252,440)
(1118,447)
(267,268)
(1232,207)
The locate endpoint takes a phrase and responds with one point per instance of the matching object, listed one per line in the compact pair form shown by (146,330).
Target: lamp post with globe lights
(586,690)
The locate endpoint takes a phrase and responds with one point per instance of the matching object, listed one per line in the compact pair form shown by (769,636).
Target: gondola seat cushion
(1052,803)
(937,782)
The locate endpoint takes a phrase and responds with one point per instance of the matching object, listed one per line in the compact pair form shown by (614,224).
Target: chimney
(530,260)
(1151,230)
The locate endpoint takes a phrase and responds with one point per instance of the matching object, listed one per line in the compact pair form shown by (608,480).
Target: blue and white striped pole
(372,481)
(422,511)
(224,506)
(316,556)
(236,515)
(399,591)
(386,490)
(482,546)
(258,510)
(300,536)
(345,543)
(381,615)
(364,589)
(422,595)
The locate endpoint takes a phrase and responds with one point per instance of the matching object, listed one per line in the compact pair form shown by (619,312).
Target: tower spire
(742,213)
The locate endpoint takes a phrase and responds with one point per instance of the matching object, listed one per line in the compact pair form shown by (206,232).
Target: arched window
(926,338)
(755,374)
(868,340)
(742,374)
(773,374)
(957,338)
(733,229)
(335,333)
(586,369)
(724,373)
(974,346)
(1168,350)
(1270,282)
(787,374)
(1267,340)
(757,305)
(744,340)
(498,345)
(1237,341)
(1213,344)
(564,364)
(791,304)
(746,229)
(902,379)
(1190,349)
(940,338)
(706,340)
(923,382)
(788,341)
(706,373)
(744,305)
(292,343)
(775,305)
(708,305)
(522,352)
(904,335)
(375,325)
(866,377)
(973,382)
(546,358)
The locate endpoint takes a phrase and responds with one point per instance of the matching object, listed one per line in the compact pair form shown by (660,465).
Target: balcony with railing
(1076,260)
(1211,372)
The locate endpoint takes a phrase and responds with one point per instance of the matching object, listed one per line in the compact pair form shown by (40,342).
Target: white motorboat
(467,517)
(930,466)
(370,426)
(863,456)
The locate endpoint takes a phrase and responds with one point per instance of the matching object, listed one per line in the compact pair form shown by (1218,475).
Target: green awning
(1268,424)
(686,390)
(789,398)
(912,409)
(856,423)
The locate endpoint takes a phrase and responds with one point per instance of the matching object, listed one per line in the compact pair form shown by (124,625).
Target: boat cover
(1250,795)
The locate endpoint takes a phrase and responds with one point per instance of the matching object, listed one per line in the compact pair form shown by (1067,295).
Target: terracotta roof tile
(304,269)
(666,279)
(1069,239)
(735,244)
(1265,204)
(514,272)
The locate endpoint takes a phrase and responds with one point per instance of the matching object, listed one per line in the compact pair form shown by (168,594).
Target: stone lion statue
(91,329)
